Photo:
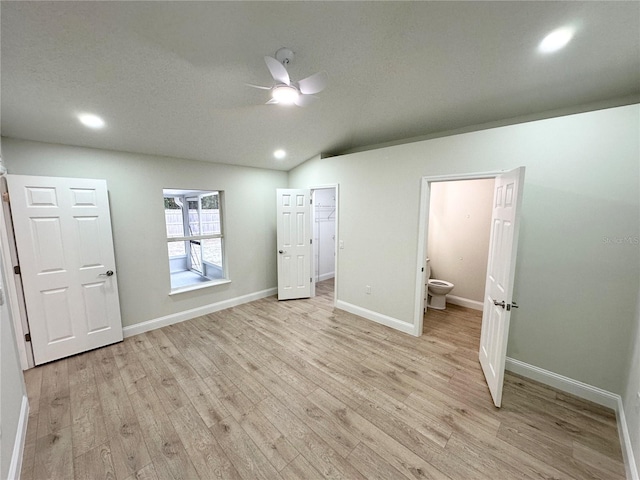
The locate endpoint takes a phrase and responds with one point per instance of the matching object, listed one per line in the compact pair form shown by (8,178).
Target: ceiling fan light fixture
(285,94)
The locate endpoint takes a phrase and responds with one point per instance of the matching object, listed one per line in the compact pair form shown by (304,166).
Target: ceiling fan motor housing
(284,55)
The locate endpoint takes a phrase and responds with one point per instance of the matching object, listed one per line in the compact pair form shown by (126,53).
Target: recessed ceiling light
(280,154)
(90,120)
(556,40)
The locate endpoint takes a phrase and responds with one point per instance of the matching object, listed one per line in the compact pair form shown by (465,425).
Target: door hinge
(5,197)
(16,270)
(311,280)
(422,269)
(311,241)
(311,201)
(27,337)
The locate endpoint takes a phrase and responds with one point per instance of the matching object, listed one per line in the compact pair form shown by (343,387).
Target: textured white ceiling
(169,77)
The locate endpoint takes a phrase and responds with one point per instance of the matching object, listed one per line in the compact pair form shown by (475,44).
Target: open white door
(498,300)
(294,243)
(65,248)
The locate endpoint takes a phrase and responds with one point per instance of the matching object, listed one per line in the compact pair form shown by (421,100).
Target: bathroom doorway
(424,226)
(324,213)
(459,221)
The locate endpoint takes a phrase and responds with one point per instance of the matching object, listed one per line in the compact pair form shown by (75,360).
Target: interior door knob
(280,252)
(499,304)
(107,274)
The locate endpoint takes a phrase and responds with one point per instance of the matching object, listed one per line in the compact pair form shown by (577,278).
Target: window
(195,238)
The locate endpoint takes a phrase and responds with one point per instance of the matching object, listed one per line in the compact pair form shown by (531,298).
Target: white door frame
(423,229)
(25,353)
(336,188)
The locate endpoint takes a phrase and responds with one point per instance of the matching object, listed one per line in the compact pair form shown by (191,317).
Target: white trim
(465,302)
(326,276)
(625,443)
(394,323)
(15,466)
(199,286)
(11,288)
(588,392)
(566,384)
(160,322)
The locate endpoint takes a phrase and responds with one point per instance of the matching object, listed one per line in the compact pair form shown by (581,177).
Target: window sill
(199,286)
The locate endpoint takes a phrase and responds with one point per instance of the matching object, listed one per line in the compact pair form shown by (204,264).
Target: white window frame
(205,281)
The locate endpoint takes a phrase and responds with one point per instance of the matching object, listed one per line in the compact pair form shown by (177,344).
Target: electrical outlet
(368,290)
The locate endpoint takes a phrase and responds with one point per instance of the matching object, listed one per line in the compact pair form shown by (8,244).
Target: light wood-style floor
(296,390)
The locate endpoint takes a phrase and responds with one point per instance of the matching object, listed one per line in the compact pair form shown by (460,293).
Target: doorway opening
(459,221)
(457,247)
(324,210)
(442,191)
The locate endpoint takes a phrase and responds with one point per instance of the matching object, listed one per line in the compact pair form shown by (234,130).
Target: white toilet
(437,291)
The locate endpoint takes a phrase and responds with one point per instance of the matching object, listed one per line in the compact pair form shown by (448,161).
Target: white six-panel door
(65,248)
(294,243)
(498,300)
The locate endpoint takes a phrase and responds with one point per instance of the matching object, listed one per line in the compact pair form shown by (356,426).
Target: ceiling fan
(286,92)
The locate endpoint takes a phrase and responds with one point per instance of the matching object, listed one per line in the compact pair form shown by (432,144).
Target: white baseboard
(588,392)
(566,384)
(160,322)
(465,302)
(326,276)
(15,466)
(377,317)
(625,443)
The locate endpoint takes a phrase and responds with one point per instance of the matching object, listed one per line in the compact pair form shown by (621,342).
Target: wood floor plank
(148,472)
(300,390)
(371,465)
(128,449)
(271,442)
(165,447)
(208,458)
(300,468)
(245,455)
(54,411)
(33,382)
(88,429)
(387,447)
(54,455)
(29,454)
(95,464)
(323,458)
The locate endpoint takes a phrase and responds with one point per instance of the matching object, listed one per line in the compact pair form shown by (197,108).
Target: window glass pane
(173,218)
(194,219)
(211,214)
(176,249)
(212,251)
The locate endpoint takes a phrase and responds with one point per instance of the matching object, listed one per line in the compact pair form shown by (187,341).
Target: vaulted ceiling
(169,78)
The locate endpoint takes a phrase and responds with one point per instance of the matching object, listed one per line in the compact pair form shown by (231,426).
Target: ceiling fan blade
(278,72)
(257,86)
(304,100)
(272,101)
(313,84)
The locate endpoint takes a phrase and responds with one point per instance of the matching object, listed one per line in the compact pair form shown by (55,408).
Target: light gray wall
(458,238)
(135,185)
(12,387)
(576,278)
